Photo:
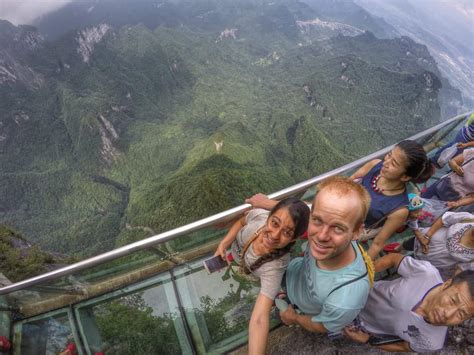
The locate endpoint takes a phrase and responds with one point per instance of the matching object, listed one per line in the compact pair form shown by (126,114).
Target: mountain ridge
(147,107)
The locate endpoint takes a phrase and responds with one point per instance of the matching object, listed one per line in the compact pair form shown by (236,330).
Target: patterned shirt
(445,249)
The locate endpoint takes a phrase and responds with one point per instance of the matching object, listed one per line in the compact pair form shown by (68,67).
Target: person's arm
(259,325)
(424,241)
(417,233)
(461,202)
(436,226)
(394,221)
(388,261)
(230,237)
(465,145)
(365,169)
(425,238)
(261,201)
(290,317)
(455,164)
(401,347)
(360,336)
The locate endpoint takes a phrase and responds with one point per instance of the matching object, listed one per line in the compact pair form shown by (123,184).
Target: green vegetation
(128,138)
(20,263)
(128,326)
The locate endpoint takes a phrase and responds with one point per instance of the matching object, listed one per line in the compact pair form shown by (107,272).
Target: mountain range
(122,119)
(445,27)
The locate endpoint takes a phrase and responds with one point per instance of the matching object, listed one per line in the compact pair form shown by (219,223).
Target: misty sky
(25,11)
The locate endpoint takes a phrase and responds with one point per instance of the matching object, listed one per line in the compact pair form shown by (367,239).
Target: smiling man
(414,310)
(330,284)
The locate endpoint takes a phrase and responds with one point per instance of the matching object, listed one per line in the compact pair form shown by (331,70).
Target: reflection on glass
(47,336)
(218,306)
(145,322)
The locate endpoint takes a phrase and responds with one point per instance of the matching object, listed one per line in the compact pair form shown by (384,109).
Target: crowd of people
(330,288)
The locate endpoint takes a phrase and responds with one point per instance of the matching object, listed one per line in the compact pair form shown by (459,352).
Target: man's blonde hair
(343,185)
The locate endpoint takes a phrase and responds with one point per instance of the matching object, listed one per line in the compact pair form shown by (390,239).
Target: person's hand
(288,317)
(424,240)
(221,251)
(425,248)
(461,145)
(452,204)
(356,334)
(258,201)
(456,168)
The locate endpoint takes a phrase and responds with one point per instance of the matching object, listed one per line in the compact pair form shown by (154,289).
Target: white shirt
(269,273)
(445,248)
(390,306)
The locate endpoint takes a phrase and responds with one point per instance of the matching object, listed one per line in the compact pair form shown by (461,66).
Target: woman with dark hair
(457,187)
(386,180)
(260,242)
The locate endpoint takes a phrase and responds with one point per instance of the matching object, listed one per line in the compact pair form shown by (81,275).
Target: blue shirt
(380,205)
(309,288)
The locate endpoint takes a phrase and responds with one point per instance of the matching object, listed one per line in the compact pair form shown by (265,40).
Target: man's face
(333,224)
(452,306)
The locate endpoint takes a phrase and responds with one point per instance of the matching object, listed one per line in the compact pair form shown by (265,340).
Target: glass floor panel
(136,320)
(46,336)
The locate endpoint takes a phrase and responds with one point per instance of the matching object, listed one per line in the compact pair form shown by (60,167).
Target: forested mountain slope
(114,131)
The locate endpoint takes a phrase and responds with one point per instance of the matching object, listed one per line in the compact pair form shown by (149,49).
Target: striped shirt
(468,130)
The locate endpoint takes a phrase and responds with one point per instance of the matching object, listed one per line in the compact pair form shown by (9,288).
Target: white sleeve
(466,266)
(450,218)
(270,275)
(410,267)
(468,153)
(256,213)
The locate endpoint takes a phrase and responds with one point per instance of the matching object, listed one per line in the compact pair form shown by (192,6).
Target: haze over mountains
(445,27)
(120,119)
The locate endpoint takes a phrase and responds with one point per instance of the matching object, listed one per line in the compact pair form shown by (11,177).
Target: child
(415,208)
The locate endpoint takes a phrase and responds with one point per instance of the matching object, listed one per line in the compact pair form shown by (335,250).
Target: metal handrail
(205,222)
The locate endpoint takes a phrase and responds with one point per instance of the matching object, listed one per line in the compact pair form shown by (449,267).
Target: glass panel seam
(187,328)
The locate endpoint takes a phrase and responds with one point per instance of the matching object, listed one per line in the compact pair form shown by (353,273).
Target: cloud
(25,11)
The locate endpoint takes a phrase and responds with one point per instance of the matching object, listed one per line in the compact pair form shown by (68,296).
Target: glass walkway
(152,296)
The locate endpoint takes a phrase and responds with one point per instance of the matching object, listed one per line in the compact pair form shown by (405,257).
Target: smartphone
(214,264)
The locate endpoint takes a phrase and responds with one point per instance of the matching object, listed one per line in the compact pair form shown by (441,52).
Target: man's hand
(260,201)
(289,316)
(462,145)
(356,334)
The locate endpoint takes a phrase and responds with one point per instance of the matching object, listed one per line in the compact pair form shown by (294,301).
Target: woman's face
(279,230)
(394,165)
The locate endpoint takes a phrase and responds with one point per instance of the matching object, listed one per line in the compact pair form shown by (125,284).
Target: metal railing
(205,222)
